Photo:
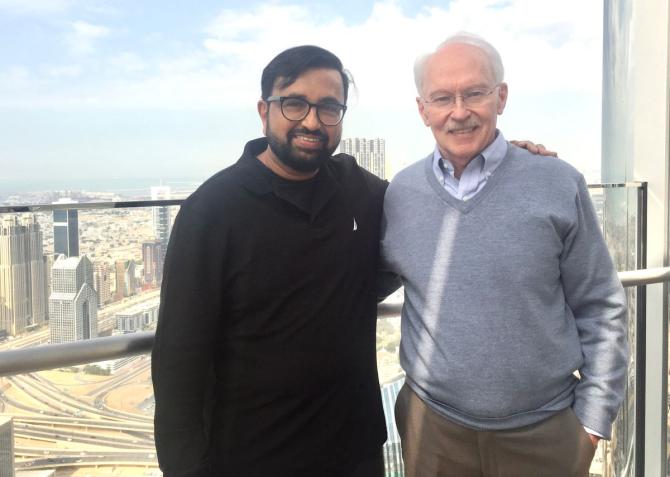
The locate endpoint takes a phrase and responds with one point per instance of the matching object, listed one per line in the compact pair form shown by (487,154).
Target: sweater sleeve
(598,303)
(184,348)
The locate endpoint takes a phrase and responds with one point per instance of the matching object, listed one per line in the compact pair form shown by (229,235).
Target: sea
(124,187)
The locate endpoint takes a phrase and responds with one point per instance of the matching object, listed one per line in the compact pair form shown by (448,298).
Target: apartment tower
(162,218)
(23,280)
(66,230)
(73,304)
(369,153)
(152,257)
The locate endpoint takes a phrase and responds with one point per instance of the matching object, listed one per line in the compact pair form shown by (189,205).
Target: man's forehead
(459,62)
(458,56)
(318,81)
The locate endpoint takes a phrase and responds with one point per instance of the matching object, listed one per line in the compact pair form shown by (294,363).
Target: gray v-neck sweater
(506,295)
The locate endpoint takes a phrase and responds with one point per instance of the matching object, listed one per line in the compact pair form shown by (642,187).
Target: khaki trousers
(434,446)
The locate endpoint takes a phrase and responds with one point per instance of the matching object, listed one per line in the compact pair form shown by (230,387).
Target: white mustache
(454,128)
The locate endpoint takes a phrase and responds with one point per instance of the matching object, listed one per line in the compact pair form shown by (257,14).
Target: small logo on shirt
(355,225)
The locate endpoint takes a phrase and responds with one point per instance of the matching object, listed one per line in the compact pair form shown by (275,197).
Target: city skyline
(102,91)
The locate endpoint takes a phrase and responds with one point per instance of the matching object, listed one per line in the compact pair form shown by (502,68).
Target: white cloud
(63,71)
(549,51)
(128,62)
(82,37)
(545,48)
(34,7)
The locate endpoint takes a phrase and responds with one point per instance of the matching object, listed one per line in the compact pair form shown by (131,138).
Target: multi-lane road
(55,428)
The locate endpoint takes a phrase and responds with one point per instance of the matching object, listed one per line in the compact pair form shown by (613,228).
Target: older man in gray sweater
(513,328)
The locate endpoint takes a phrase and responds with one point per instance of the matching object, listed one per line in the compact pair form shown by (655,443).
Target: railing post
(640,332)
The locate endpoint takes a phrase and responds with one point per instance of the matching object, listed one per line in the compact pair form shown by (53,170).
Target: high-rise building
(369,153)
(126,284)
(23,281)
(102,277)
(152,256)
(6,446)
(162,217)
(66,230)
(73,303)
(137,317)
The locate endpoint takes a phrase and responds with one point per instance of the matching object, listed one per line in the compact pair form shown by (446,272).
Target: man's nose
(311,121)
(460,111)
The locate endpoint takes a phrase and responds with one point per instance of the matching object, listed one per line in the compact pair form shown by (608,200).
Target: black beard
(286,153)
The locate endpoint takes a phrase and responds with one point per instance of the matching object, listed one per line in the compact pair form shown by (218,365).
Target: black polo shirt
(269,298)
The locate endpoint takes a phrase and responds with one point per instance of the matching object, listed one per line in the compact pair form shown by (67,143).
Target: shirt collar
(258,179)
(491,156)
(254,175)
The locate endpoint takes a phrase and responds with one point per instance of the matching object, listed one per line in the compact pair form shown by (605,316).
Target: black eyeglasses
(297,109)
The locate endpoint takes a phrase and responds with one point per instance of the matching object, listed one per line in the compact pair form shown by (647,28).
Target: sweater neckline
(465,206)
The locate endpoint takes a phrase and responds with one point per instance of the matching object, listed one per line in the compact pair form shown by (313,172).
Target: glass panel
(619,214)
(98,413)
(391,378)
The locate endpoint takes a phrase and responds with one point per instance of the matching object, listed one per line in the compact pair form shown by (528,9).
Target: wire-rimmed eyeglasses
(297,109)
(470,98)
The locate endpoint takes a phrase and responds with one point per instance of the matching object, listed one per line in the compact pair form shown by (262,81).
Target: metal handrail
(39,358)
(130,204)
(127,204)
(647,276)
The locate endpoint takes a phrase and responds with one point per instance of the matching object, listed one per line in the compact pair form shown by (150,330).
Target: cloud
(128,62)
(545,47)
(82,37)
(34,7)
(551,50)
(63,71)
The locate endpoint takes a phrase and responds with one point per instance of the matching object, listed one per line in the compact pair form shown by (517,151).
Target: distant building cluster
(369,153)
(64,289)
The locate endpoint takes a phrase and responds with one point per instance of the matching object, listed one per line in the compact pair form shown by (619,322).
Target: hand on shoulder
(534,148)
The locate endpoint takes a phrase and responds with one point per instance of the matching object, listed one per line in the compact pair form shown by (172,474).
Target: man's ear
(502,97)
(262,107)
(422,110)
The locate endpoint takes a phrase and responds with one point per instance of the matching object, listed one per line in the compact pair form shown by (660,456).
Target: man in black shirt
(264,361)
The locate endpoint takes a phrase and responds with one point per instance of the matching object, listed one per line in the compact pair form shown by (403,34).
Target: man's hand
(534,148)
(594,440)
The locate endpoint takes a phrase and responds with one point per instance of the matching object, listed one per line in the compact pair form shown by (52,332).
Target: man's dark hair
(288,65)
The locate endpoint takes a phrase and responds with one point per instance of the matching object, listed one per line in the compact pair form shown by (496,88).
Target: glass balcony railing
(87,404)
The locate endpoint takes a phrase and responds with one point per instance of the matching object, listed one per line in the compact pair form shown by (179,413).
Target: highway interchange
(55,428)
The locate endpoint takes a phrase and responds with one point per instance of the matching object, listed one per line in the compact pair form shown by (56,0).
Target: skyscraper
(162,218)
(369,153)
(152,256)
(73,304)
(6,446)
(66,230)
(126,284)
(102,276)
(23,281)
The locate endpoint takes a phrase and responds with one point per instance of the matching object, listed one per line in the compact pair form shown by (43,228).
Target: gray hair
(466,38)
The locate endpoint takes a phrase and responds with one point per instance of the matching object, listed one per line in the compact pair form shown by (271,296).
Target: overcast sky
(168,90)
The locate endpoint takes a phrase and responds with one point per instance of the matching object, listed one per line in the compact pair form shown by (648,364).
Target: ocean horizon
(122,186)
